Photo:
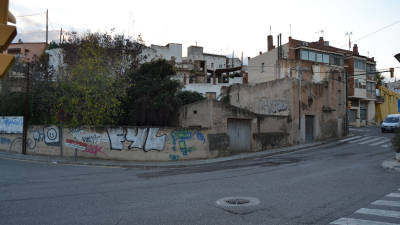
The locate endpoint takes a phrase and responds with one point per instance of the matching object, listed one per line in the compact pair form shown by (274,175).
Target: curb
(391,164)
(170,164)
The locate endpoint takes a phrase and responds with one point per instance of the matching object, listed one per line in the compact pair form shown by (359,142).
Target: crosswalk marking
(359,140)
(393,195)
(386,203)
(386,214)
(370,140)
(387,145)
(379,212)
(350,221)
(348,139)
(384,142)
(380,142)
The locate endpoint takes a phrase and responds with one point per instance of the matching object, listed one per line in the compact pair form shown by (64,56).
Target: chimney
(355,49)
(260,52)
(321,41)
(270,42)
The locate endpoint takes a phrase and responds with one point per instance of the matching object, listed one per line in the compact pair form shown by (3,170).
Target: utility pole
(26,119)
(347,104)
(60,35)
(47,26)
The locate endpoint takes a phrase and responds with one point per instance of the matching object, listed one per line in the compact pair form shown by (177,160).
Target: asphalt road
(313,186)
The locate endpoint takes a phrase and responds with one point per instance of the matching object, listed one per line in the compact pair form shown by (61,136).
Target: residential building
(386,103)
(171,51)
(318,62)
(28,52)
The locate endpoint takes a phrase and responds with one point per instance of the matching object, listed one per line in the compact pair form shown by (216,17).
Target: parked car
(391,123)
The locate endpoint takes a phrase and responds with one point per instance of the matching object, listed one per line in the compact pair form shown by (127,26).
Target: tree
(96,81)
(151,97)
(187,97)
(379,78)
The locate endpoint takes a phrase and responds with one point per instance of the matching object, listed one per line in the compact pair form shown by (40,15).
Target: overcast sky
(223,26)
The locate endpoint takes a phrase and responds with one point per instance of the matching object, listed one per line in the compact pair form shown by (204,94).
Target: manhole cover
(238,201)
(239,205)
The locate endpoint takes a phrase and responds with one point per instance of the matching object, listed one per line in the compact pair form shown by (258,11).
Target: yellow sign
(7,34)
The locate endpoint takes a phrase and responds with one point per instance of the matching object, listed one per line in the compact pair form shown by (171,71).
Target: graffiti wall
(119,143)
(11,125)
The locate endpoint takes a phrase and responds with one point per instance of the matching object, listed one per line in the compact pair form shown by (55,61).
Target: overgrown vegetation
(104,83)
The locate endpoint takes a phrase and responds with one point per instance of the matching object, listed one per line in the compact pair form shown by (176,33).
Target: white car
(391,123)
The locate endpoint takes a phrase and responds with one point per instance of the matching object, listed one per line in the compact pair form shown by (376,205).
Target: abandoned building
(289,99)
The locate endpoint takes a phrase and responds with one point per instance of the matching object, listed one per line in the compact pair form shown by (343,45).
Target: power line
(380,29)
(35,14)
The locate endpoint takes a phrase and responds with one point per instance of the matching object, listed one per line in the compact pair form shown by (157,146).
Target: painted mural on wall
(117,143)
(11,125)
(180,138)
(139,138)
(49,135)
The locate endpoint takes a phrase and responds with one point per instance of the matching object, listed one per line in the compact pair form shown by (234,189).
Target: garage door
(239,135)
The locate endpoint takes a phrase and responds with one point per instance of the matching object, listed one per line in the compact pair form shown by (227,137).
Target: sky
(224,26)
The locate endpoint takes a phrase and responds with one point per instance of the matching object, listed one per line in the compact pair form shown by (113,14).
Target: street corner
(391,164)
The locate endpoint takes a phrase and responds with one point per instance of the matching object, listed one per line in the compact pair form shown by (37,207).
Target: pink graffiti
(94,149)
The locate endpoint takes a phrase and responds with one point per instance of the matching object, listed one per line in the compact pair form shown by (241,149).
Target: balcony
(379,99)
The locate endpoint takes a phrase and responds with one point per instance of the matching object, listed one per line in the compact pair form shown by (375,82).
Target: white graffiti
(50,135)
(153,142)
(266,105)
(116,136)
(11,125)
(88,137)
(137,137)
(141,138)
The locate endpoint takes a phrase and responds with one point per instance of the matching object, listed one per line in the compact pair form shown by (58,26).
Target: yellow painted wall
(389,106)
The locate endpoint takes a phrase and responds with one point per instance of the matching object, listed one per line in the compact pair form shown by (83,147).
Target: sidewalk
(391,164)
(170,164)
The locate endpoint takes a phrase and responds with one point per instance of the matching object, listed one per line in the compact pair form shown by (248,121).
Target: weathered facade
(270,114)
(318,62)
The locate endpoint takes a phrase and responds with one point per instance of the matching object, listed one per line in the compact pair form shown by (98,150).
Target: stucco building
(317,61)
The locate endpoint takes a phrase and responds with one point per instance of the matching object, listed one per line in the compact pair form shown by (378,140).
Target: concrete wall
(269,98)
(266,131)
(121,143)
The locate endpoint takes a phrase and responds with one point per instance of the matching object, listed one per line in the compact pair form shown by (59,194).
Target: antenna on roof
(290,30)
(321,32)
(270,33)
(349,34)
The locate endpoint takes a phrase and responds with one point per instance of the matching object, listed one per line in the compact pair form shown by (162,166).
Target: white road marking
(370,140)
(380,142)
(361,139)
(350,221)
(386,203)
(387,145)
(393,195)
(348,139)
(379,212)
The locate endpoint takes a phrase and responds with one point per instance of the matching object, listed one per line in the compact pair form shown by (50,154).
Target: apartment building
(319,62)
